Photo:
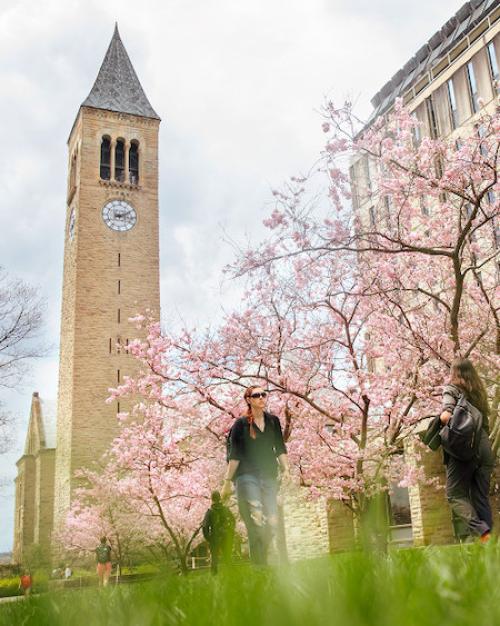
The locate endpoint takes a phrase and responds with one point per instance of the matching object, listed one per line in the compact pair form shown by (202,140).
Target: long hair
(464,375)
(249,414)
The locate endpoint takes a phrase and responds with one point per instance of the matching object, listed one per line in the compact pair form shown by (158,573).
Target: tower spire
(117,87)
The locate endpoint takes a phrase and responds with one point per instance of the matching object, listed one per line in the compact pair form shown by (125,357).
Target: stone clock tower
(111,261)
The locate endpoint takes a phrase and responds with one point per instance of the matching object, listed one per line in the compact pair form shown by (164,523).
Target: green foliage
(455,586)
(9,586)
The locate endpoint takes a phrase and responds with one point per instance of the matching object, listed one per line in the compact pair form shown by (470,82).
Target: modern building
(111,273)
(445,84)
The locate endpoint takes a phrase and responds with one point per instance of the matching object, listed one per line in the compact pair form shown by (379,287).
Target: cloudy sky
(238,85)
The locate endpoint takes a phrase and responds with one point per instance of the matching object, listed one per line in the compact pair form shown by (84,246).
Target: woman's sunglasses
(262,394)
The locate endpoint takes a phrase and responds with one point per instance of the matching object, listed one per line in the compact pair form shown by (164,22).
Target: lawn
(456,586)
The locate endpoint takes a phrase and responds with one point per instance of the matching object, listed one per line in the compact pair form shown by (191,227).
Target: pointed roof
(40,434)
(35,438)
(117,87)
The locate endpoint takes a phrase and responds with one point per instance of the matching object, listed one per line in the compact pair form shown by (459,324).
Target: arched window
(133,163)
(105,171)
(72,176)
(120,160)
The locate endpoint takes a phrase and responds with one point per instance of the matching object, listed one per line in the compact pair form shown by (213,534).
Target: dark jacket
(218,523)
(257,456)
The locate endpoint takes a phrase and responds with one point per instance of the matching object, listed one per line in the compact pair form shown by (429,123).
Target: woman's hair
(249,414)
(464,375)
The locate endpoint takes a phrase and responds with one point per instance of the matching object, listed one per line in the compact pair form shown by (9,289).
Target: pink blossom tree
(426,249)
(351,319)
(153,491)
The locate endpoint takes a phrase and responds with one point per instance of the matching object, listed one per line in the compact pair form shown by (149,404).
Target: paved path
(12,599)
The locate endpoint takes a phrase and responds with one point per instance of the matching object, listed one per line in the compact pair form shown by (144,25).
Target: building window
(416,130)
(120,160)
(372,216)
(119,259)
(493,63)
(481,133)
(110,345)
(424,208)
(495,224)
(72,177)
(431,116)
(452,101)
(354,187)
(119,287)
(388,209)
(119,315)
(471,79)
(133,163)
(366,174)
(118,376)
(105,171)
(399,510)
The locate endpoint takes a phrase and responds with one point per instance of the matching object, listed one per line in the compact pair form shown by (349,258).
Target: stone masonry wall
(45,463)
(430,512)
(306,526)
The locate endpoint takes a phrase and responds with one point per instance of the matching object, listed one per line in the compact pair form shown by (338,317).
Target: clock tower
(111,261)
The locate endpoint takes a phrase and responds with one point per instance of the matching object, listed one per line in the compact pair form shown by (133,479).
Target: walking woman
(256,448)
(468,482)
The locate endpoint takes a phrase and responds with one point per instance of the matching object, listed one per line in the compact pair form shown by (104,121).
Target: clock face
(72,223)
(119,215)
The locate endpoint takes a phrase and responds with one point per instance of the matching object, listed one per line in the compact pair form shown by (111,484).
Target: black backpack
(103,552)
(460,436)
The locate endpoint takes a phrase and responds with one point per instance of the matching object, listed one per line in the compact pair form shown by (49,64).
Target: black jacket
(257,456)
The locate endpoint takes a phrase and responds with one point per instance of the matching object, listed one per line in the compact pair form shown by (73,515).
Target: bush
(9,586)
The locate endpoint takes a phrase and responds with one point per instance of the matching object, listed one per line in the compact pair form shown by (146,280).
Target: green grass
(456,586)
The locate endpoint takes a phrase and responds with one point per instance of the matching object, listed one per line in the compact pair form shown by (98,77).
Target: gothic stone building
(111,272)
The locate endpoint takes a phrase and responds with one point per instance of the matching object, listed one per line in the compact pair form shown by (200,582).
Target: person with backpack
(218,531)
(255,449)
(103,558)
(468,455)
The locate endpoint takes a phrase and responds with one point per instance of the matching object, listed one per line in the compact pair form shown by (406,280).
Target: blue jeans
(258,506)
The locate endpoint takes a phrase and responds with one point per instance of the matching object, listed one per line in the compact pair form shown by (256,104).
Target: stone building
(111,273)
(35,482)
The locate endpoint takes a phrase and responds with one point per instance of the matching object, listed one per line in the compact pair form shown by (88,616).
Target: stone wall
(306,525)
(25,507)
(44,497)
(430,512)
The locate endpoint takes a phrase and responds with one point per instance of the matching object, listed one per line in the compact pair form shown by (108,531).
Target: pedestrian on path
(218,531)
(255,449)
(468,482)
(26,582)
(103,558)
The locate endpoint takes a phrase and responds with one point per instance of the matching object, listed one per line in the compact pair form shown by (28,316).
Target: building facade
(111,270)
(445,84)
